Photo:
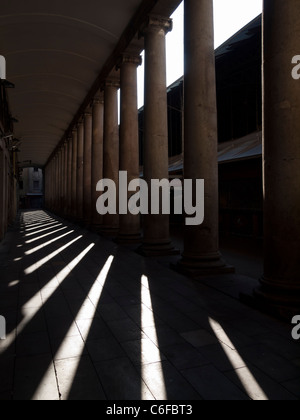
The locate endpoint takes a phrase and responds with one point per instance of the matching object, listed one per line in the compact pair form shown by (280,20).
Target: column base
(158,250)
(96,228)
(124,239)
(282,303)
(109,231)
(207,265)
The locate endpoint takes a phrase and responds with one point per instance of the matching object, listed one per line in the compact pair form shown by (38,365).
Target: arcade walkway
(90,320)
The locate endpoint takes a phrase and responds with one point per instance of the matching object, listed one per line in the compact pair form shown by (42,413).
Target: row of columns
(105,151)
(97,149)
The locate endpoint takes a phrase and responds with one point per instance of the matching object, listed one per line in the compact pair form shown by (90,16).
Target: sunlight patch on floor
(94,296)
(44,245)
(43,230)
(45,236)
(250,384)
(146,296)
(45,260)
(40,226)
(31,309)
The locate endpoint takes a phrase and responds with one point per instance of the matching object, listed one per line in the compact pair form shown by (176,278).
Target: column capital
(110,82)
(155,23)
(87,112)
(130,58)
(80,122)
(99,99)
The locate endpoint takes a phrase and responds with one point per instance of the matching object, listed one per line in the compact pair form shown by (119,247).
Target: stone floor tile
(83,310)
(37,320)
(166,383)
(6,396)
(125,330)
(31,302)
(184,356)
(284,346)
(251,327)
(57,308)
(143,352)
(68,347)
(163,336)
(59,328)
(104,349)
(199,338)
(93,329)
(293,387)
(33,344)
(258,385)
(143,316)
(270,363)
(296,362)
(179,322)
(35,379)
(221,360)
(78,380)
(121,381)
(7,365)
(111,311)
(212,384)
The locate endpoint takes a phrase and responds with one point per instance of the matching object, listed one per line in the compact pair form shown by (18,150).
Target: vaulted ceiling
(55,51)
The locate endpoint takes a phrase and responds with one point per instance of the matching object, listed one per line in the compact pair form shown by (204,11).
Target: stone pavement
(89,320)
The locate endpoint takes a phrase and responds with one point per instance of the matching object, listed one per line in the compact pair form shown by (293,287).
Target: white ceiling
(55,50)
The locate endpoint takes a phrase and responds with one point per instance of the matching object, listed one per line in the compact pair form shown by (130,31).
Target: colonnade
(98,149)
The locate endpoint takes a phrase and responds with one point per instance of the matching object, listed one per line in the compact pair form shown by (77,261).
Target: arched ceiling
(55,51)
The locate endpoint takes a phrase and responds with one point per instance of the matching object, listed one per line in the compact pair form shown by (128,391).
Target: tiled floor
(87,319)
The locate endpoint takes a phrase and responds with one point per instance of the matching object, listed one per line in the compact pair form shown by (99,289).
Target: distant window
(36,185)
(36,169)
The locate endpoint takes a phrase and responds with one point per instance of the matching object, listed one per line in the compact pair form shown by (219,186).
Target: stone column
(66,179)
(130,226)
(59,181)
(97,157)
(62,181)
(74,175)
(51,186)
(65,174)
(201,243)
(69,195)
(110,224)
(62,194)
(80,154)
(48,187)
(156,239)
(56,195)
(87,169)
(280,285)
